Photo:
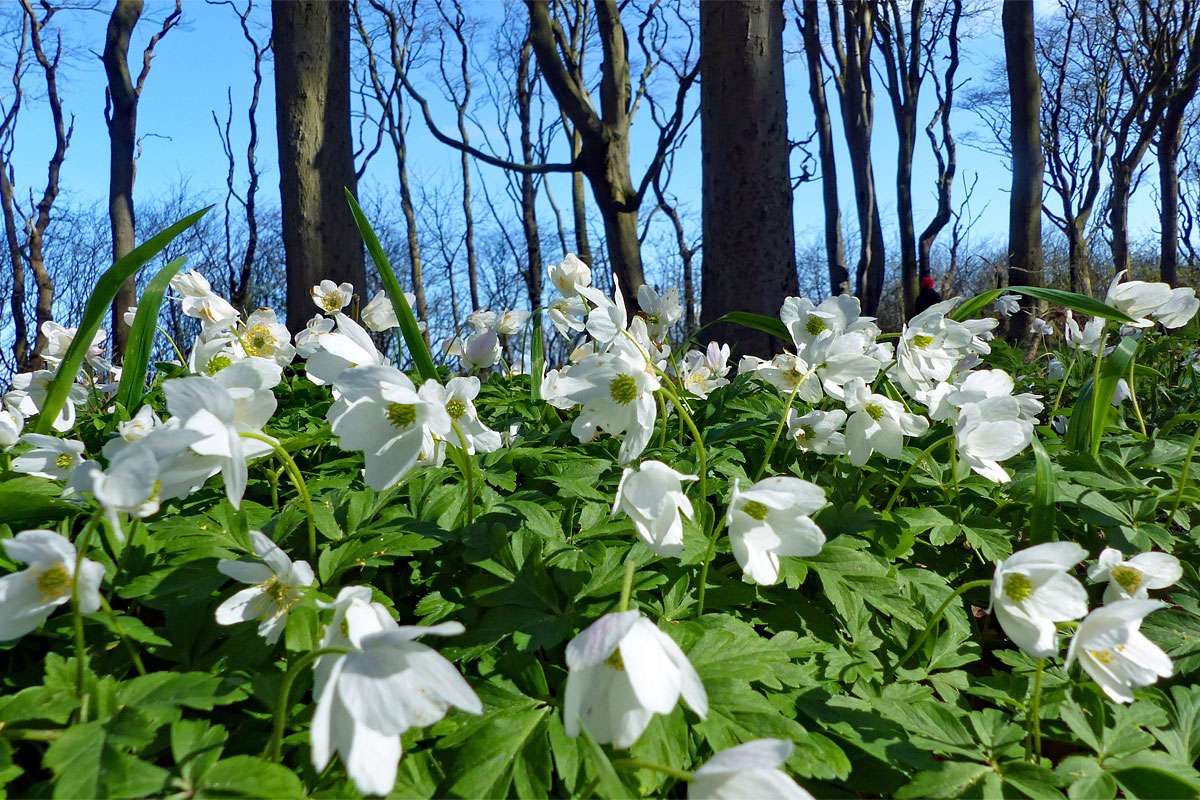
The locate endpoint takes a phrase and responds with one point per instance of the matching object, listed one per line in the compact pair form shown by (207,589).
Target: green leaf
(141,337)
(26,501)
(1076,302)
(950,779)
(1088,418)
(758,322)
(248,776)
(196,746)
(94,759)
(1041,509)
(404,314)
(537,359)
(1166,782)
(95,312)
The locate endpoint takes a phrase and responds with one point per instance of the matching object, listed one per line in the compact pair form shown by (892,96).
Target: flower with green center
(771,519)
(874,410)
(216,364)
(401,415)
(1134,578)
(48,456)
(652,497)
(277,586)
(623,389)
(1115,653)
(877,424)
(28,597)
(331,297)
(1032,592)
(815,325)
(616,389)
(818,431)
(64,461)
(456,408)
(458,397)
(921,341)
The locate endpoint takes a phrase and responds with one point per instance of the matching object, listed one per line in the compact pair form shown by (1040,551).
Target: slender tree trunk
(583,245)
(311,41)
(122,137)
(529,222)
(1168,189)
(1025,201)
(1078,258)
(749,247)
(835,247)
(904,213)
(1118,215)
(17,261)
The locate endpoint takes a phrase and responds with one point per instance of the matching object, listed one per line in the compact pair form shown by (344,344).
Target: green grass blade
(141,337)
(758,322)
(97,308)
(1076,302)
(1089,419)
(537,358)
(404,314)
(1041,510)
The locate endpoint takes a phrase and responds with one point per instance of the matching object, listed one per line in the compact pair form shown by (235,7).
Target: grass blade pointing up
(141,337)
(1080,303)
(97,308)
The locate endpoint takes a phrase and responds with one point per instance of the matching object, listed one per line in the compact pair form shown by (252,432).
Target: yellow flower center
(921,341)
(63,461)
(456,408)
(623,389)
(815,326)
(615,661)
(259,341)
(332,301)
(874,411)
(401,415)
(1017,587)
(804,432)
(217,363)
(1103,656)
(1127,577)
(755,510)
(54,583)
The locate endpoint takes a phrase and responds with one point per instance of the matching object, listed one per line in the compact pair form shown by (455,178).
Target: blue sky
(196,64)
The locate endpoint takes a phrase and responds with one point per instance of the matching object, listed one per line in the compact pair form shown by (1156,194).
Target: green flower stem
(924,454)
(298,481)
(1034,717)
(1186,473)
(1137,409)
(179,353)
(283,700)
(627,583)
(662,417)
(778,431)
(1061,388)
(1097,435)
(81,545)
(935,617)
(134,656)
(468,474)
(637,763)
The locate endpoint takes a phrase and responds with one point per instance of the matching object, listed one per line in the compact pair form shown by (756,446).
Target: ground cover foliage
(875,656)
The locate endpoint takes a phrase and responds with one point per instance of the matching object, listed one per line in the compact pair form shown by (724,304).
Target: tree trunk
(1025,201)
(122,138)
(1078,258)
(311,42)
(583,245)
(749,244)
(904,212)
(529,222)
(1118,215)
(1168,189)
(835,248)
(17,300)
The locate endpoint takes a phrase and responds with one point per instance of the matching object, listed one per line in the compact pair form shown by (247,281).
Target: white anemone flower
(212,354)
(382,413)
(833,317)
(141,425)
(1088,338)
(616,389)
(1132,579)
(277,585)
(839,359)
(1041,327)
(480,350)
(1137,299)
(458,396)
(1008,304)
(1031,591)
(608,318)
(334,352)
(308,340)
(818,431)
(652,497)
(661,310)
(28,597)
(704,372)
(28,395)
(11,425)
(748,770)
(130,485)
(510,323)
(214,312)
(331,297)
(59,338)
(622,670)
(265,337)
(387,683)
(482,319)
(1115,653)
(380,315)
(568,314)
(48,456)
(570,275)
(788,373)
(988,432)
(1055,369)
(931,346)
(772,519)
(129,316)
(1179,309)
(191,284)
(877,424)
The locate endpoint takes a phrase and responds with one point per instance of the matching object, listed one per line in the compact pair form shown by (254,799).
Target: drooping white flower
(1115,653)
(382,413)
(130,485)
(988,432)
(49,456)
(1008,304)
(877,424)
(28,395)
(1132,579)
(1088,338)
(333,352)
(480,350)
(568,314)
(750,770)
(458,396)
(11,425)
(622,671)
(1041,327)
(139,426)
(608,318)
(1031,591)
(380,315)
(661,310)
(704,372)
(386,684)
(510,323)
(265,337)
(616,389)
(482,319)
(652,497)
(1151,302)
(818,431)
(28,597)
(1055,370)
(59,338)
(129,316)
(330,297)
(191,284)
(307,340)
(772,519)
(1179,309)
(570,275)
(214,312)
(277,584)
(1121,392)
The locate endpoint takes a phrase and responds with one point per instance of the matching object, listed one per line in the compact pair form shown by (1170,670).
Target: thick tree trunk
(749,244)
(904,212)
(583,245)
(311,41)
(1078,258)
(1118,215)
(529,221)
(835,247)
(122,137)
(1168,190)
(1025,201)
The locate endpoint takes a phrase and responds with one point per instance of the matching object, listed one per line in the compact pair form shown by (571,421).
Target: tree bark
(749,259)
(1025,200)
(808,21)
(529,221)
(1170,135)
(311,42)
